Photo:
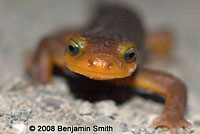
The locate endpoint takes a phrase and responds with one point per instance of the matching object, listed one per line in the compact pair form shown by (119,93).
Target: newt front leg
(175,92)
(50,52)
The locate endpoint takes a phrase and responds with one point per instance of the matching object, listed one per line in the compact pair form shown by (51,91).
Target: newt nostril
(110,65)
(90,63)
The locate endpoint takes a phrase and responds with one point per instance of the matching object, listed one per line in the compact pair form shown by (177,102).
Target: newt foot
(172,123)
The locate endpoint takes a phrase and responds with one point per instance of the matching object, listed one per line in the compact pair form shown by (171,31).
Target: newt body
(111,48)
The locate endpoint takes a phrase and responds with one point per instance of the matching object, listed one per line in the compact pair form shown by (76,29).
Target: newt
(112,48)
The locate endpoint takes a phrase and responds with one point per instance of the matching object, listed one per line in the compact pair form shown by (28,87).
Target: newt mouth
(100,75)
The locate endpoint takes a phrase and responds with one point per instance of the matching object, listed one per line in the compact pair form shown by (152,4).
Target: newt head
(100,59)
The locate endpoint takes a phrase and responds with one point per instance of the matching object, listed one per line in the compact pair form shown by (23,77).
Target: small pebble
(135,130)
(88,118)
(23,115)
(20,127)
(123,127)
(150,130)
(85,108)
(53,102)
(70,115)
(108,108)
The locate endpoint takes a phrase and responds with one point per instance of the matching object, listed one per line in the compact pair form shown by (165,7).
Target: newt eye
(76,45)
(130,54)
(73,47)
(127,51)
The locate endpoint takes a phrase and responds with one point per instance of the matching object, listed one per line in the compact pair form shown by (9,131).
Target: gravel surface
(24,22)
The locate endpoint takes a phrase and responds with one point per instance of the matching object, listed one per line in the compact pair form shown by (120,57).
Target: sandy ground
(24,22)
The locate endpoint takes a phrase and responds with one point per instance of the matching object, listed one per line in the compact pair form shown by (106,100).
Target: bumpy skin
(111,32)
